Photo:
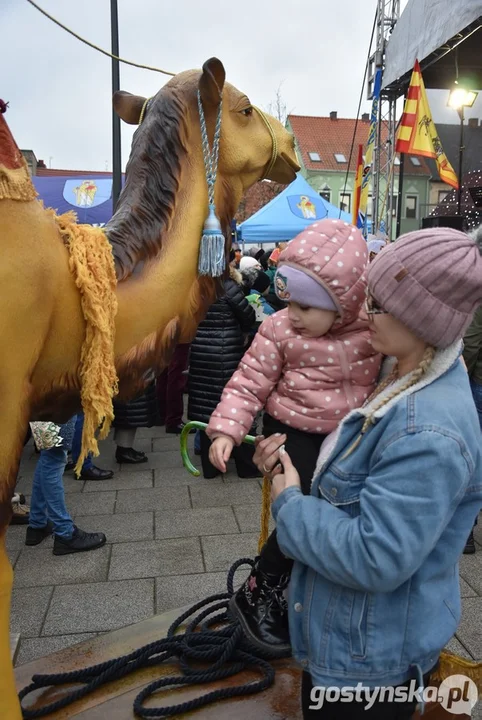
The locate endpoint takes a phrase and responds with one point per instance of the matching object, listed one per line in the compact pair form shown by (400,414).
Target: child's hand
(220,452)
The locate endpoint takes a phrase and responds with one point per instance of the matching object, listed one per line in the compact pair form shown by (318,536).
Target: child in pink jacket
(308,366)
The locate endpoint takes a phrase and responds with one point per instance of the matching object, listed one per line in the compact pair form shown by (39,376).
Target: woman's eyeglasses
(372,307)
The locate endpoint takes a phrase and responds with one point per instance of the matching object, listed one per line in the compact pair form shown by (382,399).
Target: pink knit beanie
(430,280)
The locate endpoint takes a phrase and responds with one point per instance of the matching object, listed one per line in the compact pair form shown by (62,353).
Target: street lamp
(459,99)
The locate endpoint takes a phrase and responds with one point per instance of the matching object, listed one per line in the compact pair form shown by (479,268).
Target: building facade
(324,146)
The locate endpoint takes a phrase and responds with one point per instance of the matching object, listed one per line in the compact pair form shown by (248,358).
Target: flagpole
(401,173)
(461,160)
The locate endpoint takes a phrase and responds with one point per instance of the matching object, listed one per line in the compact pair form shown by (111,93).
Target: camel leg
(13,418)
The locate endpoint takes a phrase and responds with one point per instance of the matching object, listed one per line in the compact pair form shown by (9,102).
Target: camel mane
(146,204)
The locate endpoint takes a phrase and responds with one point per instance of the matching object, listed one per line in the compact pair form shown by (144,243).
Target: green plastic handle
(194,425)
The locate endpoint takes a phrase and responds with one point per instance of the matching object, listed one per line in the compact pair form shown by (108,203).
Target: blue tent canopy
(89,196)
(288,214)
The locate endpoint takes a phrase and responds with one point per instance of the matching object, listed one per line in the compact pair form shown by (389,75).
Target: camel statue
(154,239)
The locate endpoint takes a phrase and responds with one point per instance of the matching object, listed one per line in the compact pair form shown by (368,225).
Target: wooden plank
(282,700)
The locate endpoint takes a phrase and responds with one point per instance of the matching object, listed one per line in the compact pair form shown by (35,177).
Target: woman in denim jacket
(374,594)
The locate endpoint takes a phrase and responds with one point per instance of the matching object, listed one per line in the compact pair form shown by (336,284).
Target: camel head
(247,144)
(166,167)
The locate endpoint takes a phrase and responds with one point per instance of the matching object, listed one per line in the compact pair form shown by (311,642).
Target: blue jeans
(477,395)
(77,443)
(197,441)
(48,497)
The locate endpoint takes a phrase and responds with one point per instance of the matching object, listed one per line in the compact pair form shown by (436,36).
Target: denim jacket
(374,593)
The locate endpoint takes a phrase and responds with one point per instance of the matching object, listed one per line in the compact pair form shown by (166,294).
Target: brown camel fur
(154,236)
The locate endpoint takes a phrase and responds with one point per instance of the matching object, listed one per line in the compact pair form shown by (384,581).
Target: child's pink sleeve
(248,389)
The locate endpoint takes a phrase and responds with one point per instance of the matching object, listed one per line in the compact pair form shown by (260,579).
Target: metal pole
(461,160)
(116,129)
(400,193)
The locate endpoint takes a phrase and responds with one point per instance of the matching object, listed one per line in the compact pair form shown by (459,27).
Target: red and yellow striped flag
(358,184)
(417,134)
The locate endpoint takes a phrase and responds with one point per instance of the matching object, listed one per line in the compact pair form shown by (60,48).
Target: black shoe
(34,536)
(260,607)
(129,456)
(80,541)
(469,548)
(96,473)
(175,429)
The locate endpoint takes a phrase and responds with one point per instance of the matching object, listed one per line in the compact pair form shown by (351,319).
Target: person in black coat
(219,345)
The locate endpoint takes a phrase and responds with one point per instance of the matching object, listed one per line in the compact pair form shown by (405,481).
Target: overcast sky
(59,90)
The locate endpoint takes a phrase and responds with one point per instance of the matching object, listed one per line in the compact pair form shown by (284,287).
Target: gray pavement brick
(202,521)
(456,647)
(180,476)
(249,517)
(122,527)
(158,460)
(34,648)
(221,551)
(15,542)
(38,566)
(205,494)
(122,480)
(91,503)
(180,590)
(156,499)
(465,589)
(150,559)
(469,631)
(27,618)
(172,443)
(98,607)
(471,570)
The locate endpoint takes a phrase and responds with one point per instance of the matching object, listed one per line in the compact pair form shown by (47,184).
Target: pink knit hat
(430,280)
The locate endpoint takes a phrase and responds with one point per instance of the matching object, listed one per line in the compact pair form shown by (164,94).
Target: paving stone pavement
(171,538)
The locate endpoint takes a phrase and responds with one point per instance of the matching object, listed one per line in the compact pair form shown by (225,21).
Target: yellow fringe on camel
(449,663)
(15,184)
(92,266)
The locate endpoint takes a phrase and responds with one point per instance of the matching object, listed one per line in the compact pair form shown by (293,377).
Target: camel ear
(211,82)
(128,107)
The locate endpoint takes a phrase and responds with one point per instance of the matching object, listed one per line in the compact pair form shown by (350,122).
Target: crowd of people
(359,368)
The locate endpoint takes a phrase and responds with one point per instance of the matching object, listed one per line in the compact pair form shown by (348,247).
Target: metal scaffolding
(384,203)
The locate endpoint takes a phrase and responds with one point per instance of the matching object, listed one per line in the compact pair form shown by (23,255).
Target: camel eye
(247,112)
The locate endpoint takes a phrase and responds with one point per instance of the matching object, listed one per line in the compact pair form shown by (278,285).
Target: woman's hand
(272,459)
(220,452)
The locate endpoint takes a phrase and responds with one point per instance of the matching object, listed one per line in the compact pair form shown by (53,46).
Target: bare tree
(277,107)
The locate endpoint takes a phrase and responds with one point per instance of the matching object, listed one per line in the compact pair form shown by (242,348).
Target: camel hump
(15,182)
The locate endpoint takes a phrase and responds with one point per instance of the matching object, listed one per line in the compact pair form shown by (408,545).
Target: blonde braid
(412,379)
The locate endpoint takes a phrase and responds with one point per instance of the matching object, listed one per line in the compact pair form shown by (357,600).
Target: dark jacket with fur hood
(218,347)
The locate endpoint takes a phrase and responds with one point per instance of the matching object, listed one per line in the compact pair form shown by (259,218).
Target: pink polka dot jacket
(308,383)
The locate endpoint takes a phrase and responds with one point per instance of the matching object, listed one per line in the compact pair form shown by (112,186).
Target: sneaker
(70,463)
(469,548)
(34,536)
(260,607)
(20,510)
(80,541)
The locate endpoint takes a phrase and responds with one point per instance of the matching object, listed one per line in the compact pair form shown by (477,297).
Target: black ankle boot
(259,605)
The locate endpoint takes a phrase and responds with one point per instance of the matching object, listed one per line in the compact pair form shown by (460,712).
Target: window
(325,193)
(340,158)
(345,202)
(411,206)
(314,157)
(415,161)
(442,194)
